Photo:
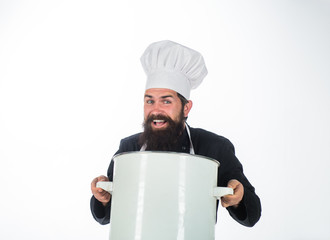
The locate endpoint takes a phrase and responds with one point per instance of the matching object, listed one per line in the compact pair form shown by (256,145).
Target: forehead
(160,92)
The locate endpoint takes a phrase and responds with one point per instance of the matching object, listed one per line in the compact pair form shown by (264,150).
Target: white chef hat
(173,66)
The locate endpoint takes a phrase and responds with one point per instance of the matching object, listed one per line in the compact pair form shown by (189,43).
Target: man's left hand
(236,198)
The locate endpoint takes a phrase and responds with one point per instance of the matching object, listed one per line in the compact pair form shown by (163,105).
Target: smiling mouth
(159,123)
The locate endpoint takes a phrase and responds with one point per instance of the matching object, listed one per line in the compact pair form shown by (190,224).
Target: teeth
(158,121)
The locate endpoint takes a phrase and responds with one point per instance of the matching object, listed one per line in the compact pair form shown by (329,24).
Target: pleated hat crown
(173,66)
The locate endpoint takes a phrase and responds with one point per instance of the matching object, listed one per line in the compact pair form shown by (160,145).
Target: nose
(156,109)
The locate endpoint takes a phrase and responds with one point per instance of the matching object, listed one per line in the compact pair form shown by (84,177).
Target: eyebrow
(166,96)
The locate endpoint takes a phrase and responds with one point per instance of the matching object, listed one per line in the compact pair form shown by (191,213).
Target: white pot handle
(219,192)
(107,186)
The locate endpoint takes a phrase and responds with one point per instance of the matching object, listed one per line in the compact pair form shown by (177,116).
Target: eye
(149,101)
(167,102)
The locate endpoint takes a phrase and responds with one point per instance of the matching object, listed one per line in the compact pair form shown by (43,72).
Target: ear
(187,107)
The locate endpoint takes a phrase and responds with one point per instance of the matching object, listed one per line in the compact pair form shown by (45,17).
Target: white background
(71,86)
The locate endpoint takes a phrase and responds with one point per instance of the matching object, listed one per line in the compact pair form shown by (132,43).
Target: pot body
(163,196)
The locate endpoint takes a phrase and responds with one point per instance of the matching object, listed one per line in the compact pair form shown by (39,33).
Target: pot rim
(166,152)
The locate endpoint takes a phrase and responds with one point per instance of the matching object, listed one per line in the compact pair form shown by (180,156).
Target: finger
(233,202)
(103,197)
(102,178)
(227,201)
(102,193)
(233,184)
(99,192)
(224,202)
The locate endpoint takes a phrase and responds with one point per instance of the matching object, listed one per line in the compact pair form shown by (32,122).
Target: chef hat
(173,66)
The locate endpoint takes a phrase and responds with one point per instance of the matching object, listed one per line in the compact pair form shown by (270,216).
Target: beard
(162,139)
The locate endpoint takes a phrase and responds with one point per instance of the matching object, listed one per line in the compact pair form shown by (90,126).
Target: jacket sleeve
(249,210)
(100,213)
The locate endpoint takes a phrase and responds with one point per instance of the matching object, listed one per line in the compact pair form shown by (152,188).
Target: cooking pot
(163,196)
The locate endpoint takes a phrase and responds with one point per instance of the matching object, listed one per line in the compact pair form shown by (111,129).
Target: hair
(184,101)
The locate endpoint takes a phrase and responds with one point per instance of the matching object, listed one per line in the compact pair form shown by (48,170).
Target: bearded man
(172,71)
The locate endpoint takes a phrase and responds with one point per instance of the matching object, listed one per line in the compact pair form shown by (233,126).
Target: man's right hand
(100,194)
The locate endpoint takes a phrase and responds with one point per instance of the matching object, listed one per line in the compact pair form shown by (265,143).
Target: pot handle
(219,192)
(107,186)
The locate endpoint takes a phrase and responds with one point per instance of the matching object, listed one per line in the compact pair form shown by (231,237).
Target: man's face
(163,102)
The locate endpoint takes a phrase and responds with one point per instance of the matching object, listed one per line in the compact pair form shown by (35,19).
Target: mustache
(153,117)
